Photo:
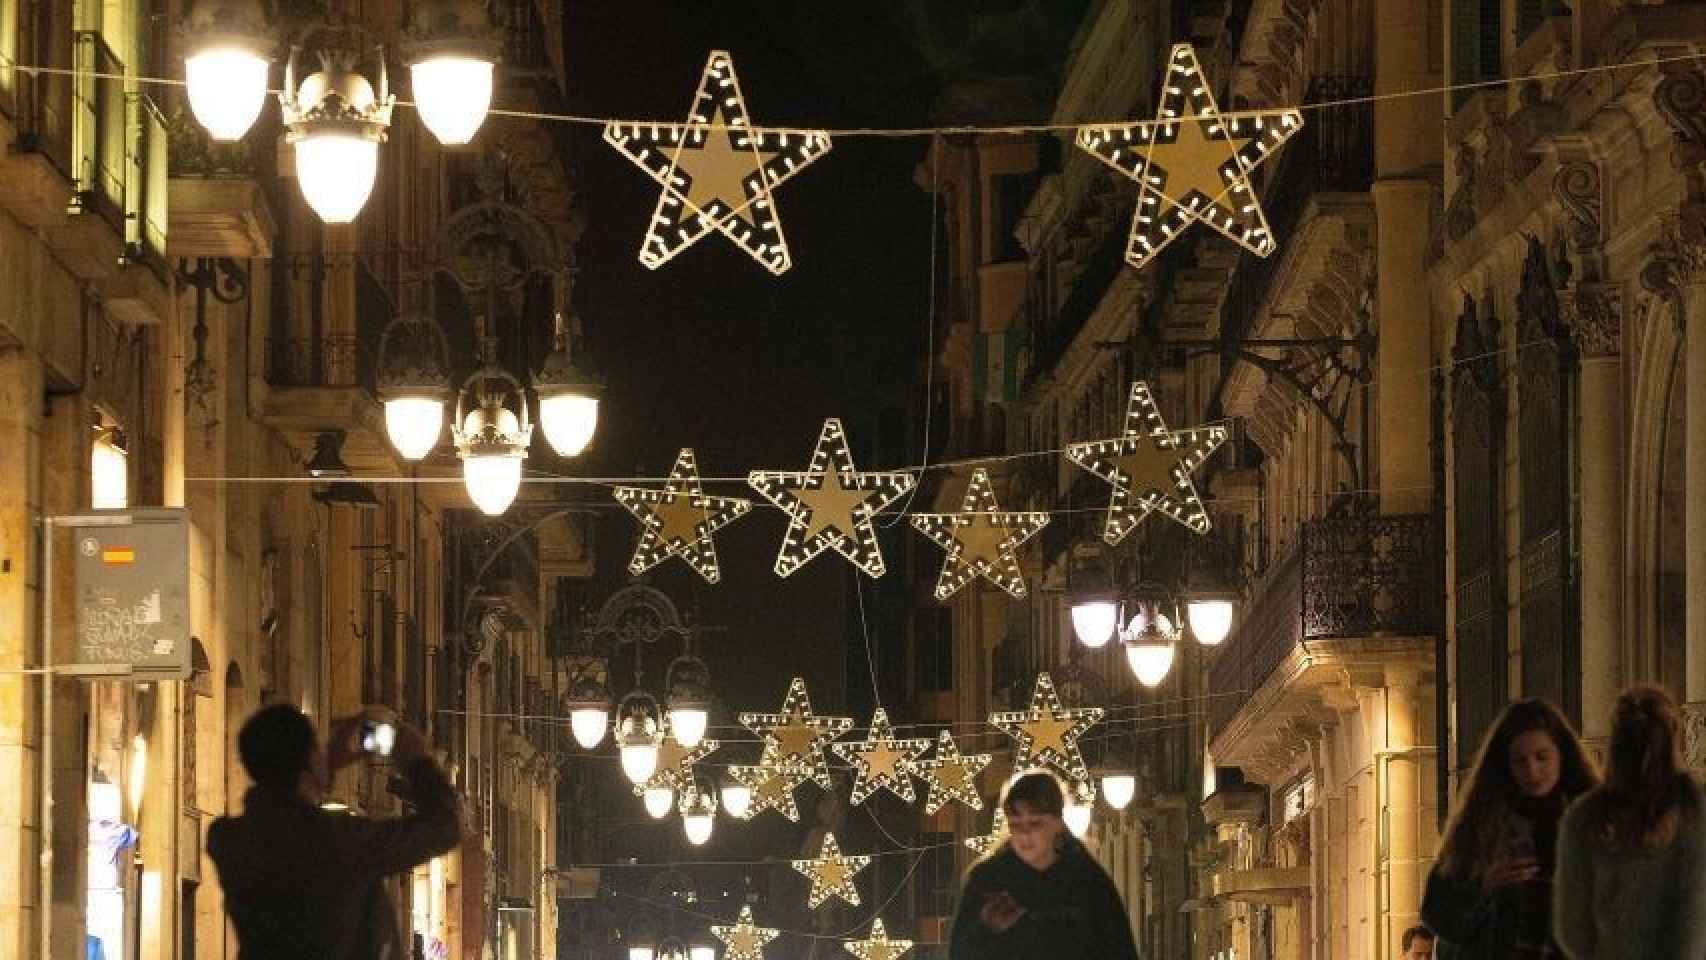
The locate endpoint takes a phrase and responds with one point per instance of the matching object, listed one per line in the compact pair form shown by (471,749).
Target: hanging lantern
(413,364)
(1211,620)
(225,44)
(336,123)
(638,734)
(1150,640)
(660,800)
(1118,788)
(588,724)
(1080,808)
(737,799)
(1095,617)
(688,682)
(451,47)
(698,814)
(491,439)
(568,397)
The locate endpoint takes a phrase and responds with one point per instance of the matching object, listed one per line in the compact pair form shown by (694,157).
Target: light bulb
(336,171)
(1211,620)
(688,724)
(639,761)
(1150,661)
(1077,817)
(492,481)
(226,86)
(1094,622)
(1118,789)
(413,424)
(452,95)
(737,799)
(588,724)
(659,801)
(569,420)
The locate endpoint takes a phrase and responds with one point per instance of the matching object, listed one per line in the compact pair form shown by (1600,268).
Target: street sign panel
(131,582)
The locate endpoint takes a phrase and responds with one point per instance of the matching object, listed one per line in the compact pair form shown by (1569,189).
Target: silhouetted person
(301,882)
(1418,944)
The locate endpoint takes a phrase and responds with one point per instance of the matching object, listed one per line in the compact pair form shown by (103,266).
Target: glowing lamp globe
(491,468)
(639,761)
(569,421)
(1094,621)
(413,424)
(1211,620)
(640,953)
(737,799)
(227,85)
(452,95)
(698,815)
(1150,659)
(688,724)
(1118,789)
(336,123)
(1077,817)
(588,725)
(336,172)
(660,800)
(702,951)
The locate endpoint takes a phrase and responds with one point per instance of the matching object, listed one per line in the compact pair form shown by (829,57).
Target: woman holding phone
(1490,892)
(1038,893)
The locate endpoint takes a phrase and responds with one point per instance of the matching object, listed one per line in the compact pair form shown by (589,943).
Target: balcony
(1358,591)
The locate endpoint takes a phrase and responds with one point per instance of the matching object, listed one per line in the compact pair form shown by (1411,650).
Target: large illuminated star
(1192,162)
(830,505)
(717,171)
(983,843)
(675,762)
(832,873)
(794,738)
(981,540)
(951,775)
(1046,734)
(880,761)
(679,519)
(877,946)
(1149,467)
(772,789)
(744,940)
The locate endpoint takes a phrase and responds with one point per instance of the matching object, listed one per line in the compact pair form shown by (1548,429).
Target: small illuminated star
(678,520)
(717,171)
(878,946)
(1046,734)
(772,789)
(881,761)
(794,738)
(832,873)
(1192,162)
(830,505)
(1149,467)
(951,775)
(981,540)
(744,940)
(675,762)
(983,843)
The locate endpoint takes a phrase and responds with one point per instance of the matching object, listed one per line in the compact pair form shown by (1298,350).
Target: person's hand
(409,746)
(1512,871)
(1000,911)
(343,742)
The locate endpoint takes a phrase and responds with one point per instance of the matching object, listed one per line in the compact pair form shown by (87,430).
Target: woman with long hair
(1038,894)
(1631,879)
(1489,895)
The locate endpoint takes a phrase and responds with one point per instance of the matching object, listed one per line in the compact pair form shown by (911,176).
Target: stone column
(20,694)
(1693,306)
(1597,327)
(1409,807)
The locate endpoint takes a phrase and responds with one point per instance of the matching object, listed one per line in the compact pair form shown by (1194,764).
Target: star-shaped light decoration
(1046,734)
(951,775)
(717,171)
(982,844)
(1149,467)
(830,505)
(877,946)
(678,520)
(772,789)
(675,762)
(744,940)
(1192,162)
(794,738)
(832,873)
(981,540)
(881,761)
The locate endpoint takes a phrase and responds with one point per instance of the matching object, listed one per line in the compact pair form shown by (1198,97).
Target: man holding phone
(300,881)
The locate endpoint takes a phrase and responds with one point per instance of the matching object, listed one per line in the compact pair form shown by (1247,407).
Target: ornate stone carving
(1681,100)
(1577,187)
(1593,313)
(1676,259)
(1694,735)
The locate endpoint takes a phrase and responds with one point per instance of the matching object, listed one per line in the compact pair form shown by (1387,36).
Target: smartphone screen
(377,738)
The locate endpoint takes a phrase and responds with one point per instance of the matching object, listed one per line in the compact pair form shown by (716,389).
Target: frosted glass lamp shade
(452,95)
(336,171)
(698,827)
(227,85)
(588,725)
(413,424)
(569,420)
(737,799)
(640,953)
(660,800)
(1118,789)
(1211,620)
(1077,817)
(688,723)
(492,481)
(1150,661)
(1095,621)
(639,761)
(702,952)
(109,476)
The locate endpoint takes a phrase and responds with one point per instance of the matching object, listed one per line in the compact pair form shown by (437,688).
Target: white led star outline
(882,762)
(678,520)
(951,775)
(744,940)
(981,540)
(675,762)
(877,946)
(983,843)
(1192,162)
(717,171)
(794,738)
(1149,467)
(832,873)
(1047,734)
(772,788)
(830,505)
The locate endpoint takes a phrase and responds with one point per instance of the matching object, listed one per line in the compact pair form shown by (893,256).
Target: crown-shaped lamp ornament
(336,122)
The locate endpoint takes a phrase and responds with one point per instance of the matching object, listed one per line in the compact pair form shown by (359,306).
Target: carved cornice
(1593,313)
(1680,97)
(1576,185)
(1677,258)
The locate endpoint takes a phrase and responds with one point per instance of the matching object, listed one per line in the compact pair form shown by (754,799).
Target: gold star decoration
(678,520)
(880,761)
(794,738)
(717,171)
(832,874)
(830,505)
(1149,467)
(675,762)
(1192,162)
(1046,734)
(983,843)
(981,540)
(950,775)
(772,789)
(744,940)
(877,946)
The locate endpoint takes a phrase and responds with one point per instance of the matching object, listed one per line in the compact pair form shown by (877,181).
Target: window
(1475,44)
(1010,193)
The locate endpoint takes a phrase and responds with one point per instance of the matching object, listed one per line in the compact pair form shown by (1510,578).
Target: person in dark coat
(1039,893)
(1489,896)
(302,882)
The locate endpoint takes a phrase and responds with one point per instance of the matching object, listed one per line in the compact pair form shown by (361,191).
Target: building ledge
(1248,805)
(1269,886)
(219,217)
(37,195)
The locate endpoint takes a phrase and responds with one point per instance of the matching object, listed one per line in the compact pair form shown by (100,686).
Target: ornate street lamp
(568,397)
(413,382)
(1095,605)
(737,799)
(638,733)
(336,123)
(660,800)
(688,682)
(491,439)
(698,814)
(589,709)
(1118,788)
(225,65)
(451,47)
(1080,808)
(1151,637)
